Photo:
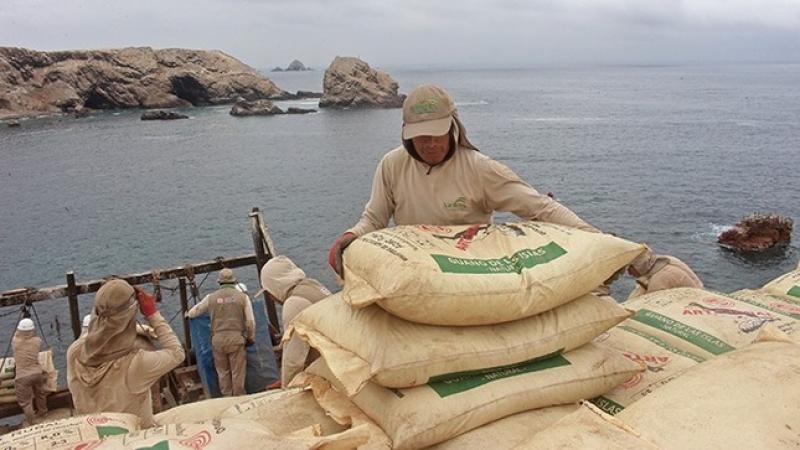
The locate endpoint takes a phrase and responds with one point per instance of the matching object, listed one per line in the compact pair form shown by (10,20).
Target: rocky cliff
(351,82)
(33,82)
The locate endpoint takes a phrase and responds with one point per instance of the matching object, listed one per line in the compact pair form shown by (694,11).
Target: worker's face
(432,149)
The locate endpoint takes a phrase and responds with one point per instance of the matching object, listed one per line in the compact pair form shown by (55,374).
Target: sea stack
(352,83)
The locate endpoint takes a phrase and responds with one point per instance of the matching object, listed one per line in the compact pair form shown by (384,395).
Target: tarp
(262,369)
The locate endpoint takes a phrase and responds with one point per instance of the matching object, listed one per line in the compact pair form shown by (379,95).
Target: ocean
(667,155)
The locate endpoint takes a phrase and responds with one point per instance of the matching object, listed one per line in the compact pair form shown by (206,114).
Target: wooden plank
(59,399)
(262,256)
(187,335)
(74,310)
(18,296)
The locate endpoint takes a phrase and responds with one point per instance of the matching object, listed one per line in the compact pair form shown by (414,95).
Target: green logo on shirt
(459,203)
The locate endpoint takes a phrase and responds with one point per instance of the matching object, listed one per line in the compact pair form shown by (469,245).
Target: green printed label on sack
(106,431)
(699,338)
(794,291)
(666,346)
(523,259)
(454,383)
(607,405)
(163,445)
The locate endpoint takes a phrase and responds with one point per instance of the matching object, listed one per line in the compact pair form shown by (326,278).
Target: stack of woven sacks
(8,370)
(441,330)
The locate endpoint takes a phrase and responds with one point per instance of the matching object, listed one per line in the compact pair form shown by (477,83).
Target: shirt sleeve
(249,320)
(198,309)
(381,205)
(505,191)
(148,366)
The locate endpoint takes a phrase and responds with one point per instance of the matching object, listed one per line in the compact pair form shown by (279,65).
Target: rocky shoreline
(36,84)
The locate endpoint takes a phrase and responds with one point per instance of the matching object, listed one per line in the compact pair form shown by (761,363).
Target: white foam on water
(479,102)
(559,119)
(711,233)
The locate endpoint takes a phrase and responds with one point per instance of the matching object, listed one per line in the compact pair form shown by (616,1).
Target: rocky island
(352,83)
(33,82)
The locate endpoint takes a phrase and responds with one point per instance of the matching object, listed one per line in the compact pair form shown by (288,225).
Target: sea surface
(667,155)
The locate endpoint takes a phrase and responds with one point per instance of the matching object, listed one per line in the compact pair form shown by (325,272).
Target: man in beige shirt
(29,380)
(658,272)
(233,326)
(438,177)
(106,372)
(290,287)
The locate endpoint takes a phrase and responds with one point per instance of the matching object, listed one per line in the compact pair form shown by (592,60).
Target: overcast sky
(391,33)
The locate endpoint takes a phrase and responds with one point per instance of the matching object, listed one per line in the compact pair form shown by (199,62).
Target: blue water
(668,155)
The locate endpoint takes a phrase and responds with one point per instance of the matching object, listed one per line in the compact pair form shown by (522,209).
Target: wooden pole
(260,245)
(187,335)
(74,311)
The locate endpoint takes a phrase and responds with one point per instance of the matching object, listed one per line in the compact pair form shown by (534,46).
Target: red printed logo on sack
(198,441)
(434,228)
(654,363)
(785,307)
(97,420)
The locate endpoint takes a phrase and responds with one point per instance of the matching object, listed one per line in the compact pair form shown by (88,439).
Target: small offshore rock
(758,232)
(13,124)
(308,94)
(277,69)
(294,110)
(255,108)
(352,83)
(162,115)
(295,66)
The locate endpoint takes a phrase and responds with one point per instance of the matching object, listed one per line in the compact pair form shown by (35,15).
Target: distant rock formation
(352,83)
(308,94)
(293,110)
(276,69)
(758,232)
(295,66)
(245,108)
(33,82)
(162,115)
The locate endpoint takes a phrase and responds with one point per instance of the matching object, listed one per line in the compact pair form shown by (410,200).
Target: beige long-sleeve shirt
(249,318)
(123,385)
(464,190)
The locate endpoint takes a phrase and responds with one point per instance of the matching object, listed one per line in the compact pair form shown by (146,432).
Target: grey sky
(266,33)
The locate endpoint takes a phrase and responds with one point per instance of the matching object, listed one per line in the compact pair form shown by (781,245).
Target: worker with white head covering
(87,319)
(233,327)
(658,272)
(289,286)
(29,381)
(106,371)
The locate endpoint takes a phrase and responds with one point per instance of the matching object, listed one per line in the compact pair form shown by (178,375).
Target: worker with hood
(438,177)
(233,327)
(289,286)
(106,372)
(658,272)
(29,381)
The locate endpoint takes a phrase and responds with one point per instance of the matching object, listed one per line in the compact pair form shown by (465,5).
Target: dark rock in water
(758,232)
(308,94)
(13,124)
(352,83)
(162,115)
(300,111)
(295,66)
(255,108)
(80,113)
(277,69)
(33,82)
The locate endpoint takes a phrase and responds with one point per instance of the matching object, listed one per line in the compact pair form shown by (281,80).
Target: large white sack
(664,362)
(444,408)
(68,433)
(478,275)
(227,434)
(377,346)
(202,410)
(507,433)
(284,412)
(706,323)
(748,398)
(786,284)
(588,428)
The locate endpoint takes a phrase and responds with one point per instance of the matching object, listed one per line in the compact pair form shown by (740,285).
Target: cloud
(266,33)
